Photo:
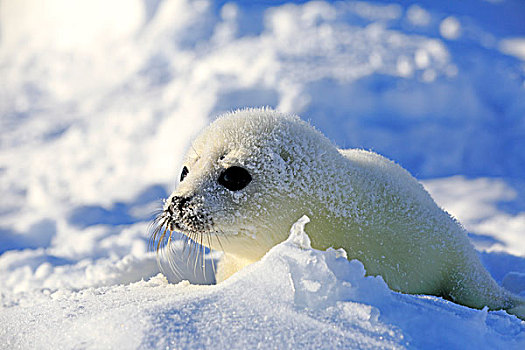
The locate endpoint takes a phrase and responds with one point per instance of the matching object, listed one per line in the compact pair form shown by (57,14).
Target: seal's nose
(177,203)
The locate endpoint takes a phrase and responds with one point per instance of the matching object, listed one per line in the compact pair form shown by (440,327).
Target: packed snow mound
(295,295)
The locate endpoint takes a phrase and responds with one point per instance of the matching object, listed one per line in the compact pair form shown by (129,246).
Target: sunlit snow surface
(98,101)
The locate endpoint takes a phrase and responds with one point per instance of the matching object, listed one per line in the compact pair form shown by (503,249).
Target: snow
(294,296)
(99,101)
(514,46)
(418,16)
(450,28)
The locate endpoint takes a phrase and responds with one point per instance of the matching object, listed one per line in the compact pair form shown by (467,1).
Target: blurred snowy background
(99,100)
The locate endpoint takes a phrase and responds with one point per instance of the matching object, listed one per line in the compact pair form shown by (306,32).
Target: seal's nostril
(177,203)
(181,202)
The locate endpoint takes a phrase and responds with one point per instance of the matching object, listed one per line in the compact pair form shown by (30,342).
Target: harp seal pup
(252,173)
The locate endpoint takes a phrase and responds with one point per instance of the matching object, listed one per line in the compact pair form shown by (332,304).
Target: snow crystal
(514,46)
(297,235)
(418,15)
(450,28)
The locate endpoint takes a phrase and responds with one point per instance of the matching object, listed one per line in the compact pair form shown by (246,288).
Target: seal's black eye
(185,172)
(235,178)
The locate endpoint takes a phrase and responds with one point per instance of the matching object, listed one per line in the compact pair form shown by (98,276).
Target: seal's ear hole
(184,173)
(285,155)
(235,178)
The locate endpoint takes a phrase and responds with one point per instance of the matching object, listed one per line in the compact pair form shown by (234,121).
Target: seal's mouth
(184,216)
(196,236)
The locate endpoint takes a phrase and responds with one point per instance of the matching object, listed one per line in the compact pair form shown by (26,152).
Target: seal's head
(243,181)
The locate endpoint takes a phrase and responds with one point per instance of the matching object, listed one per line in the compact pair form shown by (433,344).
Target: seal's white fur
(356,199)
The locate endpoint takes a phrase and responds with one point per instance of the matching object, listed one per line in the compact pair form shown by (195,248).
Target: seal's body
(252,173)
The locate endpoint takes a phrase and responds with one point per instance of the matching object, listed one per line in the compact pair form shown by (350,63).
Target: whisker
(218,240)
(161,238)
(194,240)
(153,236)
(156,214)
(203,253)
(169,257)
(225,236)
(172,263)
(195,244)
(191,249)
(185,244)
(211,255)
(197,250)
(194,150)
